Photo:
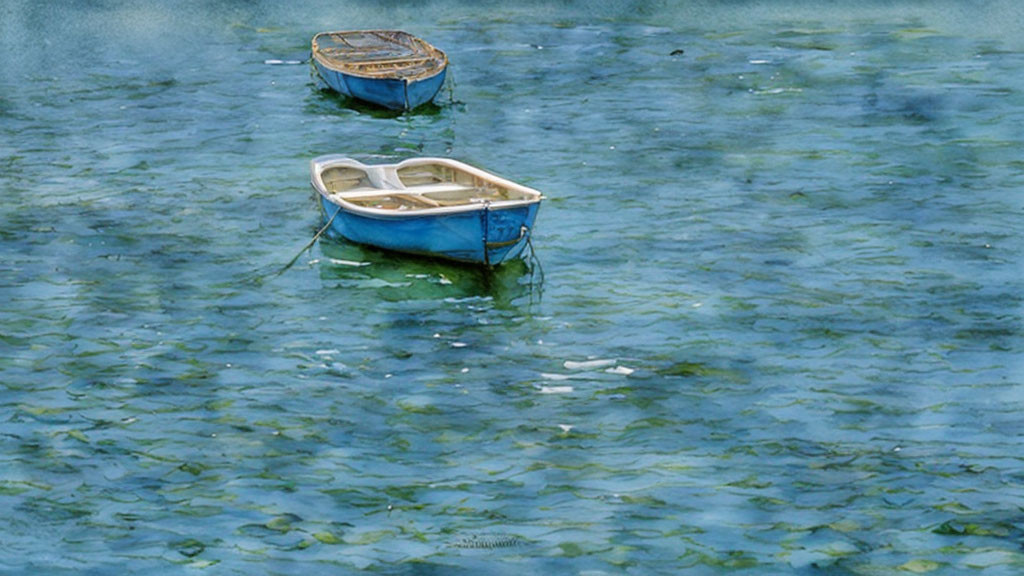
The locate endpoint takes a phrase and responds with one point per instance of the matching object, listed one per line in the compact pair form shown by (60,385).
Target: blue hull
(484,236)
(393,93)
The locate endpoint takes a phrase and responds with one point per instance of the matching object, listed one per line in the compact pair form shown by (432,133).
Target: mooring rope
(450,81)
(310,244)
(534,260)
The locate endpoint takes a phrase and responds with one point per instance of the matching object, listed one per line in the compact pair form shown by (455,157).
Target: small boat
(430,206)
(390,68)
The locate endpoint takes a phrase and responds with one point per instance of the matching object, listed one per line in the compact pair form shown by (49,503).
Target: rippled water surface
(774,324)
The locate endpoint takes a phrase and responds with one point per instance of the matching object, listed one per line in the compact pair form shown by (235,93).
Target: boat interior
(416,187)
(379,53)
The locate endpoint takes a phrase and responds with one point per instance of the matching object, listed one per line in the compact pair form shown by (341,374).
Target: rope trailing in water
(450,81)
(534,260)
(311,242)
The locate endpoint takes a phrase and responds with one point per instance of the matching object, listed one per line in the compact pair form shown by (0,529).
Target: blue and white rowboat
(430,206)
(389,68)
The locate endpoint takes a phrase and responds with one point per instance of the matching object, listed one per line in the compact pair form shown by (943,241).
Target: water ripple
(773,324)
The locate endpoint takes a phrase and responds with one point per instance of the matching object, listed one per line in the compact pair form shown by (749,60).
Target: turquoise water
(774,325)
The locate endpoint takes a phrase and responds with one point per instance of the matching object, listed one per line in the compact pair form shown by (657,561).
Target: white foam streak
(588,364)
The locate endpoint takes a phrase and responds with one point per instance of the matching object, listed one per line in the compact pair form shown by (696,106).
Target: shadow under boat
(397,276)
(326,100)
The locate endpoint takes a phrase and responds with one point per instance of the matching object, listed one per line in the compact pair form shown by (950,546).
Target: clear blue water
(778,326)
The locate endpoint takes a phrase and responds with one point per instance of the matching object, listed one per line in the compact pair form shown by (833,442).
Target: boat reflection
(324,101)
(397,277)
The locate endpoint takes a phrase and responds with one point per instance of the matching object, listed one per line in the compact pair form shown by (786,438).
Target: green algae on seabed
(703,371)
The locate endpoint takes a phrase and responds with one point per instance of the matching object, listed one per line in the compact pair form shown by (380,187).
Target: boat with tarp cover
(430,206)
(390,68)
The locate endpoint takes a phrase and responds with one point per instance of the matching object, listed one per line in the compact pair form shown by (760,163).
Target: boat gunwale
(320,164)
(431,54)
